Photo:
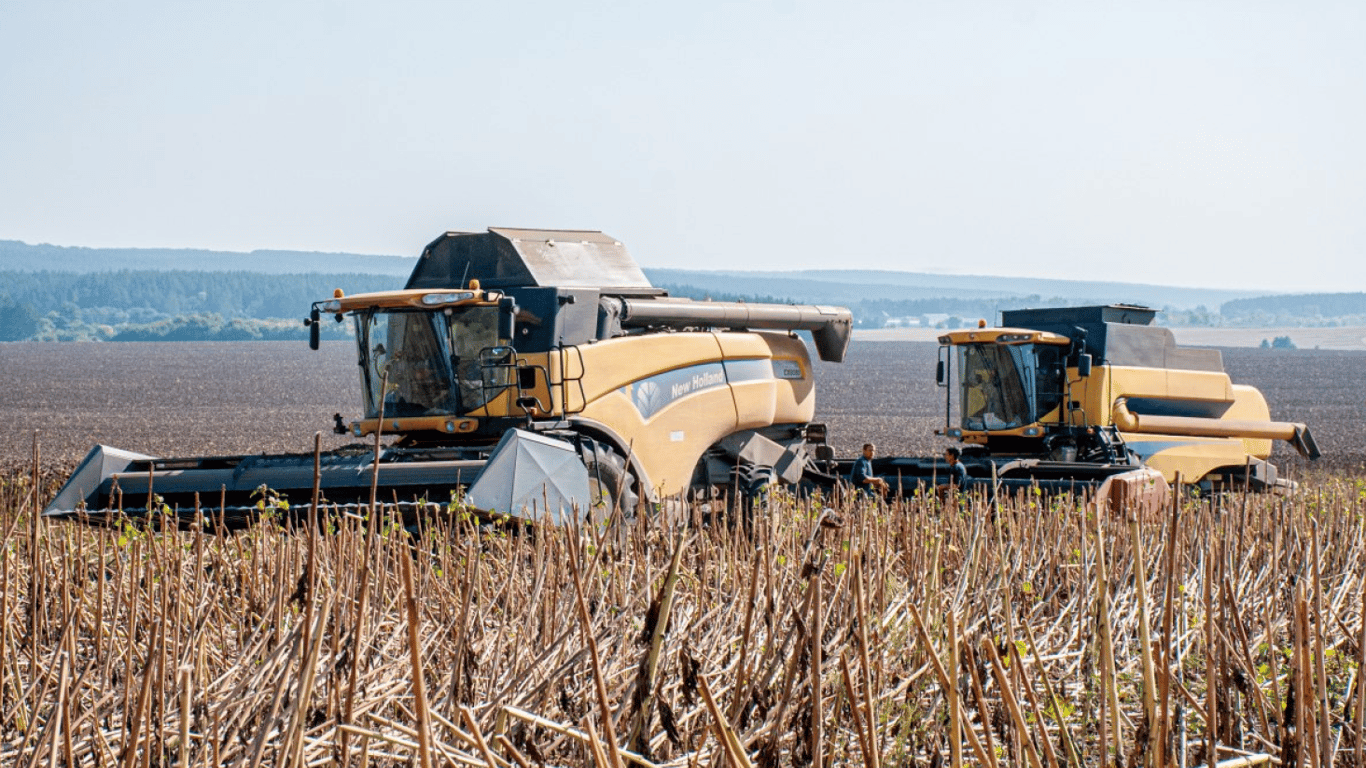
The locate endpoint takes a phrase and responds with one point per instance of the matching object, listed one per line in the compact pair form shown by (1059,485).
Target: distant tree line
(230,294)
(1299,305)
(130,305)
(139,305)
(197,327)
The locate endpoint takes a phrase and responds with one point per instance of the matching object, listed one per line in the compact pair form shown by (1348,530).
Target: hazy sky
(1190,143)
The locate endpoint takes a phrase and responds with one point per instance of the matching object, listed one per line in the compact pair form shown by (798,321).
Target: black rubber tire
(611,483)
(749,489)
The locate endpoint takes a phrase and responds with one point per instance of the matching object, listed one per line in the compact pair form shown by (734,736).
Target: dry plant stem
(312,554)
(817,703)
(1246,761)
(1321,675)
(955,707)
(1041,725)
(870,703)
(1361,682)
(186,696)
(595,750)
(1069,747)
(741,693)
(980,699)
(1109,687)
(638,739)
(573,733)
(472,723)
(424,728)
(1011,703)
(511,751)
(730,742)
(860,732)
(1211,668)
(305,694)
(36,588)
(600,686)
(984,756)
(1304,666)
(1154,747)
(357,645)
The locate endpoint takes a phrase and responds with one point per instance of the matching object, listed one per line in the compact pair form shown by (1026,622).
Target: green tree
(18,321)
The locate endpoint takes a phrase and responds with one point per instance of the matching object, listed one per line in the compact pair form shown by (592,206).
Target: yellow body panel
(1249,404)
(1191,457)
(759,403)
(1159,383)
(669,397)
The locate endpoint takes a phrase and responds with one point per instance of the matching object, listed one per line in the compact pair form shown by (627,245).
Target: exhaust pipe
(1293,433)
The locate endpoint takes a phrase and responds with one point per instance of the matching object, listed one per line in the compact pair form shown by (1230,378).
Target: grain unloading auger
(540,370)
(1065,397)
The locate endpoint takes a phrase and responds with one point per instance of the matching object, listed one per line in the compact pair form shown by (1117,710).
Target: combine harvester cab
(1059,398)
(508,351)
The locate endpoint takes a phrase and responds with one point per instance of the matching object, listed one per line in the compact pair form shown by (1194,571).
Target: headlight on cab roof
(433,299)
(331,306)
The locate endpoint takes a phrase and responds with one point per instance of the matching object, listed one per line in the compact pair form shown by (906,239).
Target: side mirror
(939,373)
(1083,365)
(314,328)
(507,318)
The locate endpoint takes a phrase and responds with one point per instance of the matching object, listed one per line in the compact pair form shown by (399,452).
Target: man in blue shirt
(956,477)
(862,477)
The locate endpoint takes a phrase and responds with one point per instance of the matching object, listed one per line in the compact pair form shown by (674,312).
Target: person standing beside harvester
(956,480)
(862,477)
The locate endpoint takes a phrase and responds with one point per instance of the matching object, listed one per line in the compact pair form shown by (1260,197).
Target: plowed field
(224,398)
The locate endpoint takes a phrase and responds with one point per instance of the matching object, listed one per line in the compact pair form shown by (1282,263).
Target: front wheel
(611,484)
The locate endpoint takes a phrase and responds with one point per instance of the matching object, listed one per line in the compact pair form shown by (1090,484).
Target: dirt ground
(167,399)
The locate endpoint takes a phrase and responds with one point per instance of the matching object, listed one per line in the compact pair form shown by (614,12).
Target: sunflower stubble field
(826,632)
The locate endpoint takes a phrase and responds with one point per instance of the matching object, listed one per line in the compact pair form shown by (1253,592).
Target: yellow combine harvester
(1057,397)
(536,368)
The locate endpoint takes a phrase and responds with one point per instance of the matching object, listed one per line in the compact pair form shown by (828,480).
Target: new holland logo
(652,395)
(649,397)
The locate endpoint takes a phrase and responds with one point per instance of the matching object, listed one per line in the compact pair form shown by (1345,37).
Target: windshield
(1000,385)
(432,360)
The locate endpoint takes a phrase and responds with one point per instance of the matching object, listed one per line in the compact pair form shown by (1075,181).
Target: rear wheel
(611,483)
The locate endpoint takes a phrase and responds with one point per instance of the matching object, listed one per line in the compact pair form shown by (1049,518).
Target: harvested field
(914,634)
(167,399)
(592,647)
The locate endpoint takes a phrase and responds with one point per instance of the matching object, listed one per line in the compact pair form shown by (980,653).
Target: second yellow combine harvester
(1068,396)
